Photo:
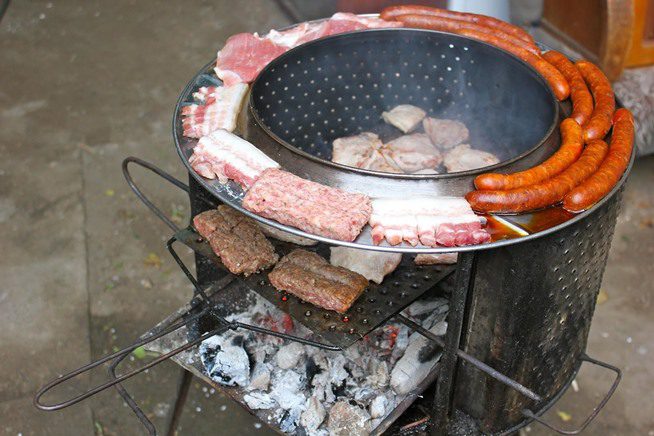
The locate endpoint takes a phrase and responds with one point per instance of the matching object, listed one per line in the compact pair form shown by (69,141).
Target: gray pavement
(84,269)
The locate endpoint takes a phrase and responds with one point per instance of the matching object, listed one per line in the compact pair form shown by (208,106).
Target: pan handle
(584,358)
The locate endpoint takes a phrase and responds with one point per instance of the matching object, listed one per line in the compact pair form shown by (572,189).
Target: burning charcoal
(289,355)
(401,342)
(379,375)
(409,371)
(378,406)
(259,400)
(348,420)
(311,370)
(260,378)
(364,395)
(313,415)
(225,363)
(422,307)
(337,371)
(286,390)
(290,420)
(323,388)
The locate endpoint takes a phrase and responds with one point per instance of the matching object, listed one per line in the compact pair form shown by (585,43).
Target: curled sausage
(571,146)
(392,12)
(600,121)
(553,77)
(542,194)
(582,100)
(604,179)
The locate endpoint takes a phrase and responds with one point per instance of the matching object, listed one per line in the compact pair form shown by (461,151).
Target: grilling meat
(412,153)
(436,259)
(311,278)
(226,156)
(405,117)
(236,239)
(363,151)
(464,158)
(244,56)
(445,133)
(309,206)
(373,265)
(219,108)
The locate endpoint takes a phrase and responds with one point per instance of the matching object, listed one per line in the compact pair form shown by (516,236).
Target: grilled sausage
(571,146)
(542,194)
(392,12)
(604,179)
(600,121)
(555,79)
(582,101)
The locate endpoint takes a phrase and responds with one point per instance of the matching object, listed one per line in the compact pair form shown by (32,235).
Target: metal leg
(445,383)
(182,394)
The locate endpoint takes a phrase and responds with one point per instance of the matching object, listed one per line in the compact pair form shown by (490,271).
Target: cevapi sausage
(604,179)
(572,144)
(392,12)
(600,121)
(543,194)
(582,100)
(553,77)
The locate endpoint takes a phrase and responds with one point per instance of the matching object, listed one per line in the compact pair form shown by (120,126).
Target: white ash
(259,400)
(226,362)
(346,419)
(289,355)
(377,407)
(260,378)
(420,308)
(313,415)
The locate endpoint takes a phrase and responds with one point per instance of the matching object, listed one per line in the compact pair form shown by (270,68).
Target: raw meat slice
(378,162)
(285,236)
(311,278)
(412,153)
(432,221)
(436,259)
(445,133)
(405,117)
(244,56)
(464,158)
(290,37)
(355,150)
(221,107)
(226,156)
(373,265)
(236,239)
(309,206)
(369,22)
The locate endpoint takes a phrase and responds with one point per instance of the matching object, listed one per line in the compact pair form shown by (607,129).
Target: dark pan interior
(339,86)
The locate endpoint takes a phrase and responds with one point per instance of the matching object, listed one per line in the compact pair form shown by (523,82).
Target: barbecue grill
(520,307)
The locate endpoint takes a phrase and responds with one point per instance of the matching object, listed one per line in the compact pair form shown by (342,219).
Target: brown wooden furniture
(641,51)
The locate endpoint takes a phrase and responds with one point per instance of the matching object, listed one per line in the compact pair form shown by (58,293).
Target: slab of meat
(373,265)
(377,161)
(226,156)
(236,239)
(219,109)
(307,205)
(445,133)
(412,153)
(311,278)
(464,158)
(244,56)
(362,151)
(430,221)
(436,259)
(405,117)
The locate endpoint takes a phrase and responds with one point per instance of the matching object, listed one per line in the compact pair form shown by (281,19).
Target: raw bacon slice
(373,265)
(405,117)
(464,158)
(220,110)
(309,206)
(226,156)
(431,221)
(244,56)
(412,153)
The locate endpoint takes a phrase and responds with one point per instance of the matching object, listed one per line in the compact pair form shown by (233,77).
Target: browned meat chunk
(362,151)
(412,153)
(405,117)
(236,239)
(311,278)
(464,158)
(445,133)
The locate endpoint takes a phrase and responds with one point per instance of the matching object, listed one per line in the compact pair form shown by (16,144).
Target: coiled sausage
(600,121)
(582,100)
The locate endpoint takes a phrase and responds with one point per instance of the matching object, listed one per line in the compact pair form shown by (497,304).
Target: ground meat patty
(309,206)
(311,278)
(236,239)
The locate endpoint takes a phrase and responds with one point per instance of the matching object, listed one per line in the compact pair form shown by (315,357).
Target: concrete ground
(84,84)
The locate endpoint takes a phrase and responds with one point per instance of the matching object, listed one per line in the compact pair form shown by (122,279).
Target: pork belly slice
(219,110)
(464,158)
(244,56)
(430,221)
(310,277)
(445,133)
(373,265)
(405,117)
(226,156)
(436,259)
(412,153)
(309,206)
(236,239)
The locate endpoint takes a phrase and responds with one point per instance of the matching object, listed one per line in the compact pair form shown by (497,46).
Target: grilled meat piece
(445,133)
(373,265)
(464,158)
(311,278)
(412,153)
(236,239)
(363,151)
(405,117)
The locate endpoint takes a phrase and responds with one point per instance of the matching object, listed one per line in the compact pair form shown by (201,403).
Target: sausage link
(604,179)
(542,194)
(392,12)
(582,100)
(555,79)
(600,121)
(571,146)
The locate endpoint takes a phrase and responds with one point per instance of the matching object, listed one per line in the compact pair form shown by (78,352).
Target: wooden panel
(642,41)
(581,20)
